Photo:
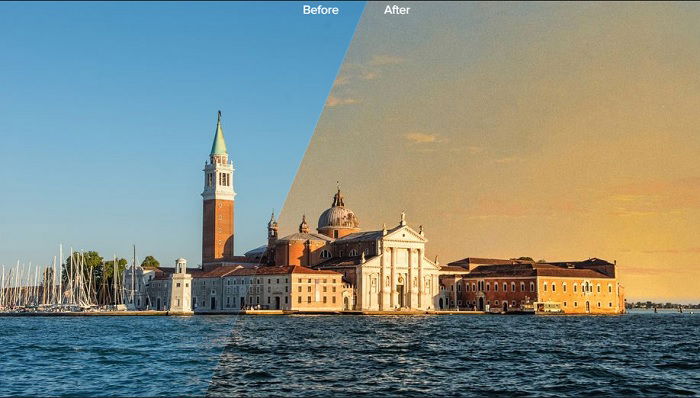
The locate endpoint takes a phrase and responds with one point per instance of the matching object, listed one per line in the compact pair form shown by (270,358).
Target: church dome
(338,215)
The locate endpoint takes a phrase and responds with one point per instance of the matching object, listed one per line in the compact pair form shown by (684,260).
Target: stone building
(575,287)
(180,289)
(386,269)
(340,267)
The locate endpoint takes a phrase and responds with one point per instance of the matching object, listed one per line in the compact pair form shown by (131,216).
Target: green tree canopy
(150,261)
(108,267)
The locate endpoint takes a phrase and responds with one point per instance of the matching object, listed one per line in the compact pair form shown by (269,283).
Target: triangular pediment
(405,234)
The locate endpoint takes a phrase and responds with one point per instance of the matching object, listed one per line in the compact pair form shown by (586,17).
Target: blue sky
(107,114)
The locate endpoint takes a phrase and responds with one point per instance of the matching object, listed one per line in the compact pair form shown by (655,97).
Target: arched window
(512,287)
(598,288)
(488,286)
(495,286)
(522,286)
(575,287)
(532,286)
(554,287)
(544,286)
(473,287)
(563,286)
(353,252)
(505,287)
(325,253)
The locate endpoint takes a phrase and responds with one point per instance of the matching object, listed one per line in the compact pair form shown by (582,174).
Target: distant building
(576,287)
(340,267)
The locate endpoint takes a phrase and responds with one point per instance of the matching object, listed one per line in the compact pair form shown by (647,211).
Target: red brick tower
(218,195)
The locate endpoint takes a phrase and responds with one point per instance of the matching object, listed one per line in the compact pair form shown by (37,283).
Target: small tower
(218,196)
(272,229)
(180,290)
(303,227)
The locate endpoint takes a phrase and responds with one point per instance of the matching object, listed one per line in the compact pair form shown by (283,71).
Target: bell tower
(218,197)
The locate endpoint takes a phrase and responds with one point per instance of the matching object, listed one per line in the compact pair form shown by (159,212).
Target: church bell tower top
(219,145)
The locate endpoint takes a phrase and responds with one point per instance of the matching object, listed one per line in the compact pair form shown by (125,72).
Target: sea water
(634,354)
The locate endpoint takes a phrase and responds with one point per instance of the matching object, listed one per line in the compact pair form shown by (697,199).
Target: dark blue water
(636,354)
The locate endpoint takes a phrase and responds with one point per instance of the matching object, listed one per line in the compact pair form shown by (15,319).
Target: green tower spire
(219,146)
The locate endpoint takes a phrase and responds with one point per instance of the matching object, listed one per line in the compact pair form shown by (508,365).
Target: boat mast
(133,273)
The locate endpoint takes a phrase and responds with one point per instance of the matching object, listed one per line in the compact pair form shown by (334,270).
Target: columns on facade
(382,289)
(421,283)
(411,290)
(392,283)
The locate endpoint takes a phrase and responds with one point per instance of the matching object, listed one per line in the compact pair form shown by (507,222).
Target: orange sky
(556,131)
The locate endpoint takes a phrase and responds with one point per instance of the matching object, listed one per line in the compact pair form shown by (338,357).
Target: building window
(609,288)
(564,303)
(575,303)
(495,286)
(178,284)
(512,286)
(544,286)
(473,287)
(575,287)
(333,289)
(325,253)
(598,287)
(599,304)
(299,280)
(299,299)
(522,286)
(324,299)
(325,289)
(563,286)
(333,299)
(554,287)
(610,304)
(309,288)
(268,300)
(353,252)
(308,299)
(496,302)
(532,286)
(488,286)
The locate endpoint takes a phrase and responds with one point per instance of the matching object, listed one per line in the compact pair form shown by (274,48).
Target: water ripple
(633,355)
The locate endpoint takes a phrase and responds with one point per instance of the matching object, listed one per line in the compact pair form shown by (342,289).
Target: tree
(106,289)
(92,263)
(524,259)
(150,262)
